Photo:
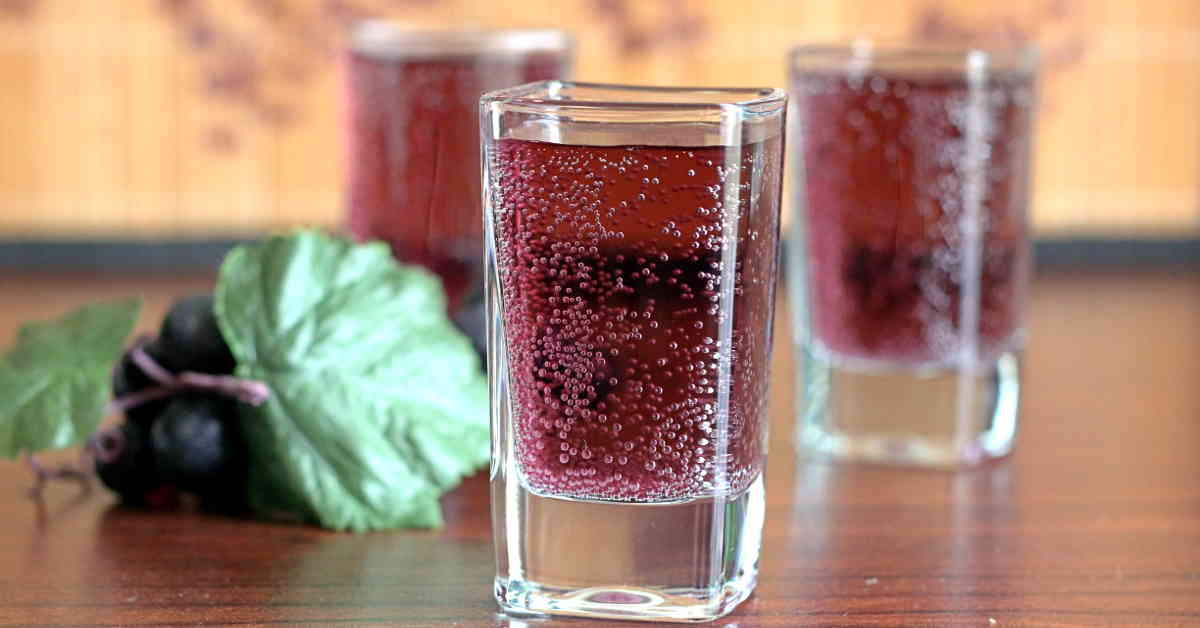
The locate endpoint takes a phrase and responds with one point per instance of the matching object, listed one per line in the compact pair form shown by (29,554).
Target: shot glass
(632,254)
(910,258)
(412,136)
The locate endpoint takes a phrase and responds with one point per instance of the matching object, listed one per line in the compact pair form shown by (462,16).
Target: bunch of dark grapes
(186,441)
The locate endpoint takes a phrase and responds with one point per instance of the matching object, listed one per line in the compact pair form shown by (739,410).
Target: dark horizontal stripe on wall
(115,255)
(1110,253)
(205,255)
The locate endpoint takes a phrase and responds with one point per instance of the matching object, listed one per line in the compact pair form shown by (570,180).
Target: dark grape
(128,378)
(196,444)
(192,341)
(470,318)
(124,462)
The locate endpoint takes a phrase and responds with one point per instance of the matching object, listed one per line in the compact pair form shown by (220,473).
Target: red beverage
(610,261)
(900,173)
(413,137)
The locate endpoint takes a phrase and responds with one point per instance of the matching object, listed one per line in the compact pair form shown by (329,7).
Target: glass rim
(602,114)
(392,39)
(619,96)
(863,53)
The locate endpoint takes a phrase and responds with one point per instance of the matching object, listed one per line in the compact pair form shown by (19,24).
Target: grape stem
(105,445)
(43,475)
(249,391)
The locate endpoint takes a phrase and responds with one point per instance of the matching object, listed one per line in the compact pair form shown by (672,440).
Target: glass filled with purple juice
(632,260)
(412,136)
(910,257)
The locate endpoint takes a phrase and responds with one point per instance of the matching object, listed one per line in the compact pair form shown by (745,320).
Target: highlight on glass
(632,255)
(910,257)
(412,133)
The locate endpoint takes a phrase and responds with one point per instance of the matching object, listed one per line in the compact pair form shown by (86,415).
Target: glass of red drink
(910,261)
(412,133)
(632,259)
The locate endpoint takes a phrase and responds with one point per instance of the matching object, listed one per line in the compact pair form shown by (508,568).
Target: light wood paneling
(155,84)
(19,195)
(109,124)
(78,116)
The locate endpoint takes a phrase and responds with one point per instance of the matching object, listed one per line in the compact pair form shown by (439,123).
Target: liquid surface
(896,173)
(610,263)
(413,142)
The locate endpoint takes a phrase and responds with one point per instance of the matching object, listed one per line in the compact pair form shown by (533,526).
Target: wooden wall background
(193,118)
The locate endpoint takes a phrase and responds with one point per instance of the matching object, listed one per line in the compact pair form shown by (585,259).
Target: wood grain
(1095,520)
(110,127)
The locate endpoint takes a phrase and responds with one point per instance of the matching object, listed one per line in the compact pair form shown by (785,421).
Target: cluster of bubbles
(611,273)
(915,201)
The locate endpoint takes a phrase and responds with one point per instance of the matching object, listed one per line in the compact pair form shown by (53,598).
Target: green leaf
(378,404)
(54,381)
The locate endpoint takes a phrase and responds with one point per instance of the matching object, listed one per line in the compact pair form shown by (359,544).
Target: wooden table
(1095,520)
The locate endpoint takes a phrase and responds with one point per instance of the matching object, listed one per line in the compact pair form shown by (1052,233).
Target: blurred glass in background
(412,133)
(910,255)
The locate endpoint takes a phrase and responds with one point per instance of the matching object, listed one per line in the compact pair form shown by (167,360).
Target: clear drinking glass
(632,254)
(910,261)
(412,132)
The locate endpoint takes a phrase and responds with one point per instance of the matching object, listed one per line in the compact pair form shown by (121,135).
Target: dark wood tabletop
(1094,520)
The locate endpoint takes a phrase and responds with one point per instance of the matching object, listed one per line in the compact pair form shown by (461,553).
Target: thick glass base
(933,417)
(684,561)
